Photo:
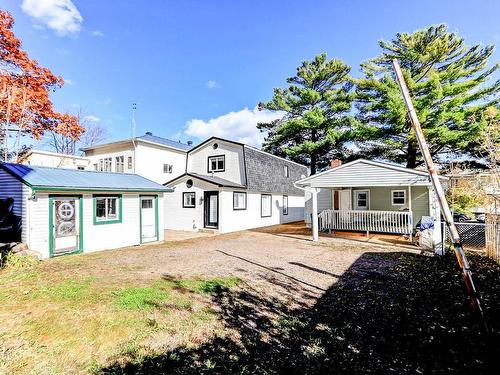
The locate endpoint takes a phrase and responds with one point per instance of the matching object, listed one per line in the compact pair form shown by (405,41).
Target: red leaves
(25,88)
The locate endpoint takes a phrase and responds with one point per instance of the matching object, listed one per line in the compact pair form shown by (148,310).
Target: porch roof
(365,173)
(210,179)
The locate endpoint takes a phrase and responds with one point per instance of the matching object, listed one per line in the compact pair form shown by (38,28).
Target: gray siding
(266,173)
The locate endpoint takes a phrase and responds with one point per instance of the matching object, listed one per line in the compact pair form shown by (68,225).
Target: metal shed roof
(45,178)
(148,138)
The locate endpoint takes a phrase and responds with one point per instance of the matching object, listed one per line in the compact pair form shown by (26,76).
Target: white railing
(400,222)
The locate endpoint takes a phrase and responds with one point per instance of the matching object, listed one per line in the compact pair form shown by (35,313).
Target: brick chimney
(335,163)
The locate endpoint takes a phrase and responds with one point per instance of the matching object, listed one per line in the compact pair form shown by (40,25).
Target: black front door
(211,201)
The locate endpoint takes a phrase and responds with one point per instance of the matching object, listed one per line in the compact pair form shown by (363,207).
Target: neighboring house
(156,158)
(370,196)
(55,160)
(67,211)
(229,186)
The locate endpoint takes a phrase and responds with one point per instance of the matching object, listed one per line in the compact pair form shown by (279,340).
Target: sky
(198,68)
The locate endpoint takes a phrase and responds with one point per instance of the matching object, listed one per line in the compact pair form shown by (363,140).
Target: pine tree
(448,82)
(316,124)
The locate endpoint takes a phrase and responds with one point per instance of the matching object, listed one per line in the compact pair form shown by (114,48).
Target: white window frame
(244,194)
(217,158)
(117,218)
(130,162)
(285,206)
(168,168)
(120,164)
(404,197)
(262,205)
(356,199)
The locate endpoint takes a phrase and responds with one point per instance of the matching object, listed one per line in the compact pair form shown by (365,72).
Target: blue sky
(199,67)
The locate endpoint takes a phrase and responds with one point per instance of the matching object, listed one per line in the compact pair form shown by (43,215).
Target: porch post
(436,214)
(411,213)
(315,224)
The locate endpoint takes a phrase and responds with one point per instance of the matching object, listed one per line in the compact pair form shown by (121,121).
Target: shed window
(189,199)
(119,163)
(239,200)
(398,197)
(216,163)
(265,205)
(107,209)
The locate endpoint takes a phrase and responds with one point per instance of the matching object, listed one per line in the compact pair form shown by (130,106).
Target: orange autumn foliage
(25,88)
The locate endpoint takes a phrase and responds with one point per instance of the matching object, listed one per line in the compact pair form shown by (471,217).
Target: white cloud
(92,118)
(59,15)
(238,126)
(68,81)
(97,33)
(211,84)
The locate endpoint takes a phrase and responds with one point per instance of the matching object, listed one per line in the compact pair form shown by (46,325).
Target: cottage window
(216,163)
(398,197)
(189,199)
(107,209)
(119,163)
(96,167)
(362,200)
(285,204)
(168,168)
(129,162)
(105,164)
(265,205)
(287,172)
(239,200)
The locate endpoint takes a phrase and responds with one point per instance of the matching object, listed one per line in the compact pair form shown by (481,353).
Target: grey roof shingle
(165,142)
(46,177)
(266,173)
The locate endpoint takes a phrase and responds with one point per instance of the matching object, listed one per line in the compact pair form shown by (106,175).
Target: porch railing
(398,222)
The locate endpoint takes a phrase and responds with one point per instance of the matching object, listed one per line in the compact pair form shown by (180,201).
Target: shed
(66,211)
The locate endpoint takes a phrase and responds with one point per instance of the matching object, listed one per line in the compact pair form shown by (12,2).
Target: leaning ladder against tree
(438,189)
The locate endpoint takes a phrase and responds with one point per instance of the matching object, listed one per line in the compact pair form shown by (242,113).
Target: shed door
(65,228)
(148,219)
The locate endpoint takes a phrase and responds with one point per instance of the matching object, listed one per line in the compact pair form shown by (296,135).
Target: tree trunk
(411,154)
(314,161)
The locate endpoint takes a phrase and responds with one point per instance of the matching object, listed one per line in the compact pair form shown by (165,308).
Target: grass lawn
(297,309)
(56,317)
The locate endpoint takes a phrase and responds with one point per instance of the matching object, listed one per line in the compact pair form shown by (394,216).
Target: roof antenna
(132,125)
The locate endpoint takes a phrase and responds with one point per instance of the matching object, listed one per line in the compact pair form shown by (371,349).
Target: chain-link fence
(472,235)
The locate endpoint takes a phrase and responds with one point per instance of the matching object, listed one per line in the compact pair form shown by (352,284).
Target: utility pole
(438,190)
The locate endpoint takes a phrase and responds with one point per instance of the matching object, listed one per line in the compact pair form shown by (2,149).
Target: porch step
(208,230)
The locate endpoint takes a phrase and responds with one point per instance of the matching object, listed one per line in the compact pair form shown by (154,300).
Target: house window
(362,200)
(189,199)
(287,172)
(265,205)
(105,164)
(107,209)
(216,163)
(167,168)
(96,167)
(129,162)
(285,204)
(398,197)
(119,164)
(239,200)
(146,203)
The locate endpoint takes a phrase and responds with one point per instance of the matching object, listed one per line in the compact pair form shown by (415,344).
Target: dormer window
(216,163)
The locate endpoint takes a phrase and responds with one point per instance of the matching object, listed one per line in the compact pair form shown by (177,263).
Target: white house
(156,158)
(55,160)
(229,186)
(66,211)
(371,196)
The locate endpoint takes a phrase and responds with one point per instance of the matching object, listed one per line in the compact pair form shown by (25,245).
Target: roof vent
(189,143)
(149,133)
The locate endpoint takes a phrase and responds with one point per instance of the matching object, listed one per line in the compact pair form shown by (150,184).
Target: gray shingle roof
(165,142)
(266,173)
(45,177)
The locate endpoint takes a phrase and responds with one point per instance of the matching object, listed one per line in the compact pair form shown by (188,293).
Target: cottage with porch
(370,196)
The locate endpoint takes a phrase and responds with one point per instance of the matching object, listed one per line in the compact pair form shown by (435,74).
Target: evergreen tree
(448,84)
(315,125)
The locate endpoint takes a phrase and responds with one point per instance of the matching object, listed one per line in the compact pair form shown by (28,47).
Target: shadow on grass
(388,313)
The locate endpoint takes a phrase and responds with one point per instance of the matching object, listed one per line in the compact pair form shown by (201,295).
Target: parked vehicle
(481,217)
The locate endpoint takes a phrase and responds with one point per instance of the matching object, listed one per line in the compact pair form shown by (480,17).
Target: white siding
(150,160)
(112,152)
(54,160)
(365,174)
(234,161)
(38,222)
(180,218)
(231,220)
